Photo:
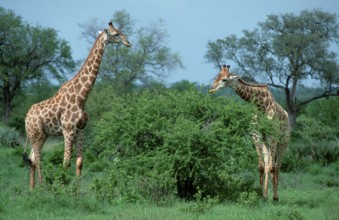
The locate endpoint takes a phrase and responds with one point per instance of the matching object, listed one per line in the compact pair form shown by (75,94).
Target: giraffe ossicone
(270,154)
(64,114)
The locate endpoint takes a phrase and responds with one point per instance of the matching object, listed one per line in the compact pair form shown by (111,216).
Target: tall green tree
(28,54)
(149,59)
(286,51)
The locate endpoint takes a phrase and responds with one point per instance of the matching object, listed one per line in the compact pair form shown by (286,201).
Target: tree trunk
(292,116)
(291,109)
(6,105)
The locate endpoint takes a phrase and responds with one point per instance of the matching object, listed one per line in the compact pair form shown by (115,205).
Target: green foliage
(9,137)
(56,156)
(202,204)
(28,53)
(284,51)
(149,58)
(249,199)
(315,140)
(188,139)
(294,214)
(309,198)
(325,111)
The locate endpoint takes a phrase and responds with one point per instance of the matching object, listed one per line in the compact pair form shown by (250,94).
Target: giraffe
(63,114)
(270,153)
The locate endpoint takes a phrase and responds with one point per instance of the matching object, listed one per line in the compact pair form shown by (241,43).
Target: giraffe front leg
(268,167)
(36,164)
(69,136)
(261,165)
(274,170)
(79,141)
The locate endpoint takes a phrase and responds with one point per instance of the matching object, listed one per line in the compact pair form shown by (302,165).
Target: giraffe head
(115,36)
(224,79)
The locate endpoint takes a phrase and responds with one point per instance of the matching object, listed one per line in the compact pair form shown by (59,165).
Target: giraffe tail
(25,157)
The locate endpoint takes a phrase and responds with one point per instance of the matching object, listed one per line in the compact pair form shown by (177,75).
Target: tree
(285,52)
(148,59)
(27,54)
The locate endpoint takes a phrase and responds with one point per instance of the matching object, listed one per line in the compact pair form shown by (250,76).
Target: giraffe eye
(224,80)
(116,34)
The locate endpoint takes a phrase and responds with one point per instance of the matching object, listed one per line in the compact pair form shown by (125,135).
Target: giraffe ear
(99,32)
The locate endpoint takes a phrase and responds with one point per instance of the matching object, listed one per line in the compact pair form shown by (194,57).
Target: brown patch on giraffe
(84,79)
(63,104)
(54,120)
(77,87)
(92,77)
(72,98)
(87,85)
(96,66)
(71,89)
(74,108)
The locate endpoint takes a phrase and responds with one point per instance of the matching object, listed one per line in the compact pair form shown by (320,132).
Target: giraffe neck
(83,82)
(259,95)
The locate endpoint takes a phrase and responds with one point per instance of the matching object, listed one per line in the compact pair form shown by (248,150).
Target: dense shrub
(314,141)
(160,145)
(9,137)
(325,111)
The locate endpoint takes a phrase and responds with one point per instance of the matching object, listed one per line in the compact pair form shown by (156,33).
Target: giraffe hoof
(275,199)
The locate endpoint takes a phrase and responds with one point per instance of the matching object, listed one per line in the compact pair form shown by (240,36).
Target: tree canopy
(27,54)
(148,59)
(286,51)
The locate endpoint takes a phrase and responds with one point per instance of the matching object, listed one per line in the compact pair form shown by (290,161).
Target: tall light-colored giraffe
(270,153)
(64,114)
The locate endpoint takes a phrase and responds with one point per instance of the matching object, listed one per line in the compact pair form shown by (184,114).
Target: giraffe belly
(54,127)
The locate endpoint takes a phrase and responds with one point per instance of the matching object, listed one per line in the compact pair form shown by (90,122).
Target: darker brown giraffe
(270,152)
(64,114)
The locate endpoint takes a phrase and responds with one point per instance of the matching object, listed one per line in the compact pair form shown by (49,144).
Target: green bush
(9,137)
(56,156)
(325,111)
(314,141)
(172,143)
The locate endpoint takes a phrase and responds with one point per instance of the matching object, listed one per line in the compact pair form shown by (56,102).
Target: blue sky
(190,24)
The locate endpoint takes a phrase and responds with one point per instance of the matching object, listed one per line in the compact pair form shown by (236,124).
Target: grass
(309,194)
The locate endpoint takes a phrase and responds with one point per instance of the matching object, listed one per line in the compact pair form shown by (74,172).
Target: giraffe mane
(253,84)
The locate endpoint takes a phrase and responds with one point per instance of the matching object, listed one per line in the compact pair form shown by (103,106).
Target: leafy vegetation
(169,152)
(283,52)
(180,141)
(9,137)
(146,151)
(28,54)
(304,195)
(148,60)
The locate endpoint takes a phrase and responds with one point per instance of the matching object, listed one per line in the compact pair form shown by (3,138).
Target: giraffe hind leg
(31,171)
(79,142)
(274,174)
(35,158)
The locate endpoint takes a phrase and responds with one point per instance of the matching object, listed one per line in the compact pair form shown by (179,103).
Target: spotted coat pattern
(64,114)
(270,153)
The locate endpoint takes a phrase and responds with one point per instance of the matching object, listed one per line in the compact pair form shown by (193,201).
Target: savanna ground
(308,194)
